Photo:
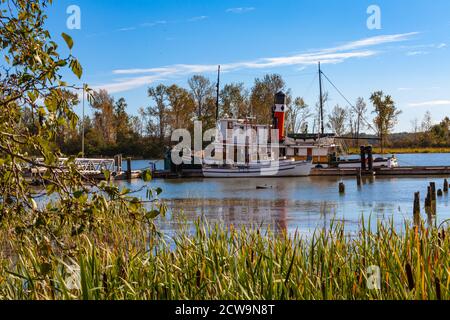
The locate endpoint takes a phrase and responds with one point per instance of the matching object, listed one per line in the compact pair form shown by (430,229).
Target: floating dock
(399,171)
(332,172)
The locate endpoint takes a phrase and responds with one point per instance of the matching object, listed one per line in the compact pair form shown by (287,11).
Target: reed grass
(126,259)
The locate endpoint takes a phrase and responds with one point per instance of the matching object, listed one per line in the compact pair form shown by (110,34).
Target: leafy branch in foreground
(36,107)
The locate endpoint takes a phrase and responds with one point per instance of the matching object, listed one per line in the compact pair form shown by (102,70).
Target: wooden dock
(332,172)
(400,171)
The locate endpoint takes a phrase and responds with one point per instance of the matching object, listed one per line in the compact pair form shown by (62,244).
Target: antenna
(218,94)
(321,101)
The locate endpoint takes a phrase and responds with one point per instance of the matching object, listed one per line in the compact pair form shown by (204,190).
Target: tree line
(112,130)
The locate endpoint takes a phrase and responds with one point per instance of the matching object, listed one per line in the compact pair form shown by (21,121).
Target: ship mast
(218,94)
(321,102)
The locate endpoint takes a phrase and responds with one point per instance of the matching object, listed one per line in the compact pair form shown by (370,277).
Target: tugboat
(269,163)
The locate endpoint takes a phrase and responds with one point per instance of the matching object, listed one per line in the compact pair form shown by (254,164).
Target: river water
(299,204)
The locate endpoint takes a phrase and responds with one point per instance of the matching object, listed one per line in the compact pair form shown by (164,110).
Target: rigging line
(351,105)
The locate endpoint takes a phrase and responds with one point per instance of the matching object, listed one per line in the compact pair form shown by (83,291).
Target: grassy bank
(124,259)
(355,151)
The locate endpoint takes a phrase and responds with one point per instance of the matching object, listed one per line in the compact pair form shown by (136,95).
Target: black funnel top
(280,98)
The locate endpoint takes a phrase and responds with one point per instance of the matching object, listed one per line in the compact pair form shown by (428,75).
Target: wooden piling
(417,206)
(445,186)
(129,168)
(428,199)
(341,188)
(440,193)
(363,158)
(358,177)
(370,157)
(433,191)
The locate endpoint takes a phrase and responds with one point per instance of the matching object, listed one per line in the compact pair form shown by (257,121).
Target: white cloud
(432,103)
(199,18)
(352,50)
(416,53)
(127,29)
(441,46)
(240,10)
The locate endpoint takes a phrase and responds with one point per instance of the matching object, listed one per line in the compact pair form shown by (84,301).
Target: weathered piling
(341,188)
(428,200)
(363,158)
(129,168)
(358,177)
(445,186)
(370,157)
(440,193)
(433,198)
(433,191)
(417,207)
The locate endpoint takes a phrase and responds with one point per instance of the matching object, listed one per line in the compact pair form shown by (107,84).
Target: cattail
(198,278)
(105,282)
(409,275)
(438,288)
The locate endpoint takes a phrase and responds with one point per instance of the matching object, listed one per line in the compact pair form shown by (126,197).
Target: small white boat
(377,163)
(281,168)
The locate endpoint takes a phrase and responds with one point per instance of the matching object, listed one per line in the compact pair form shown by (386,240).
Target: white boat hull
(282,169)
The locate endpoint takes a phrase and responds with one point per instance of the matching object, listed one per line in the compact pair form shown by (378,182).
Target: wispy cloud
(240,10)
(352,50)
(152,24)
(127,29)
(149,25)
(199,18)
(432,103)
(417,53)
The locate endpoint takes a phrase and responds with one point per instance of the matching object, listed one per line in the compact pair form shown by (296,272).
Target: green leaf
(76,67)
(107,174)
(68,40)
(152,214)
(147,176)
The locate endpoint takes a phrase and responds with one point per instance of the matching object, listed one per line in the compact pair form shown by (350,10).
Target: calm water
(299,203)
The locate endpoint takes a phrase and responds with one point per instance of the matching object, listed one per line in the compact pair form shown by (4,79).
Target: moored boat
(281,168)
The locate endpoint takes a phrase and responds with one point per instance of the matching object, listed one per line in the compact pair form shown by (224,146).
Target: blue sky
(127,46)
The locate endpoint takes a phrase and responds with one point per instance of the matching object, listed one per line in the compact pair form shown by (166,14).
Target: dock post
(358,177)
(445,186)
(341,188)
(433,191)
(363,158)
(428,199)
(370,157)
(433,198)
(440,193)
(417,208)
(129,168)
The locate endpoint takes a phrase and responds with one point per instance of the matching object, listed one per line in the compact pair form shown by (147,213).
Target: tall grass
(126,259)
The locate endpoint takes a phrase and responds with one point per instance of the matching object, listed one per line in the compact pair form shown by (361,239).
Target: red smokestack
(279,110)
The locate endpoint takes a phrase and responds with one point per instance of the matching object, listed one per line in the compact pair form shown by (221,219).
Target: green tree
(337,119)
(122,121)
(262,96)
(159,113)
(234,101)
(298,115)
(182,107)
(202,92)
(386,115)
(104,119)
